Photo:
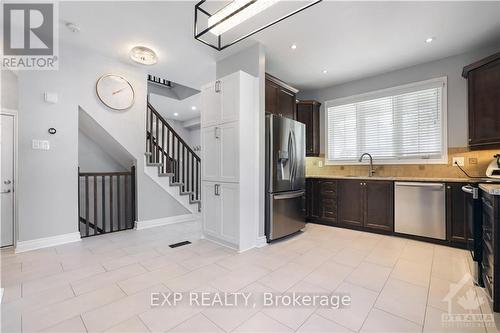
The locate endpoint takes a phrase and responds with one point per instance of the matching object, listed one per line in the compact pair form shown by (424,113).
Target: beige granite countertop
(411,179)
(493,189)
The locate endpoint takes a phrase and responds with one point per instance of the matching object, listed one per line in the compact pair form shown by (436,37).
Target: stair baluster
(172,155)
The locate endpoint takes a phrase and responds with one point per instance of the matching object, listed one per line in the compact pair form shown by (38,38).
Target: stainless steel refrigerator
(285,176)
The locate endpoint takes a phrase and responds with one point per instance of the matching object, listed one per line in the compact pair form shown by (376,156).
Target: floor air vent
(180,244)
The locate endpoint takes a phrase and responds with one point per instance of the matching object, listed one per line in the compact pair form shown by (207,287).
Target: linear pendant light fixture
(231,16)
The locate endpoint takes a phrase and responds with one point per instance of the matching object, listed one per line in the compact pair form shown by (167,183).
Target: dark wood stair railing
(106,202)
(172,155)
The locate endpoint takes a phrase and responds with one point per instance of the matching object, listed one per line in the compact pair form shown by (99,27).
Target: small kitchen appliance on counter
(493,170)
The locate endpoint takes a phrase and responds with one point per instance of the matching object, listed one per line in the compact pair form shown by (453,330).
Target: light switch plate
(40,144)
(458,160)
(320,164)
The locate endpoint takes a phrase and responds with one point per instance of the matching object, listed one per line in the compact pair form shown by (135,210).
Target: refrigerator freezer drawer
(285,214)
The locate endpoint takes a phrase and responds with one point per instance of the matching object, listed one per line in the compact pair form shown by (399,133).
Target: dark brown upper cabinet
(483,81)
(308,113)
(368,204)
(280,97)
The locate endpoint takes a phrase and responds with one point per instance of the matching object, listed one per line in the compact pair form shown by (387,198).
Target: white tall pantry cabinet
(230,160)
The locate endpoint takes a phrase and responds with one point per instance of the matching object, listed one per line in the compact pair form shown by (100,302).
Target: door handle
(7,191)
(216,189)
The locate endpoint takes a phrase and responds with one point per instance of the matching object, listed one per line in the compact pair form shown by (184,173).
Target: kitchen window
(400,125)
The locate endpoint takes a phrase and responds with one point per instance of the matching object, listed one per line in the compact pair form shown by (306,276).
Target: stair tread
(168,174)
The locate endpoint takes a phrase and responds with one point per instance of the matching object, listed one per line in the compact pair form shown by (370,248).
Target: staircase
(173,158)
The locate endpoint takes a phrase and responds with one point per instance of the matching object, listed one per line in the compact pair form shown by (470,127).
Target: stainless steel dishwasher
(420,209)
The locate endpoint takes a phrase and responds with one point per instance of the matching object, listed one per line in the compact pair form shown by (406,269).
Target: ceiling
(169,106)
(112,28)
(351,40)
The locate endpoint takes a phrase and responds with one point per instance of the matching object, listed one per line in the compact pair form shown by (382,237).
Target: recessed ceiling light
(193,107)
(143,55)
(176,114)
(293,46)
(429,40)
(325,71)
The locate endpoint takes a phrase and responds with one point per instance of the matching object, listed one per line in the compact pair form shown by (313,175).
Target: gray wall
(47,191)
(450,67)
(92,158)
(9,92)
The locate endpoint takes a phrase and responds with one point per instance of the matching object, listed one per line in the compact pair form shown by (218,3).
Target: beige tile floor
(104,284)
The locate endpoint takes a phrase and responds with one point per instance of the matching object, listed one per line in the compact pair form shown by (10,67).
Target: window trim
(396,90)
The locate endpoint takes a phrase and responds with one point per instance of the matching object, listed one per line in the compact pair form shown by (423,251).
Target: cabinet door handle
(217,132)
(217,86)
(216,189)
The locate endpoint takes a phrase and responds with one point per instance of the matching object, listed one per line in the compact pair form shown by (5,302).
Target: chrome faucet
(371,171)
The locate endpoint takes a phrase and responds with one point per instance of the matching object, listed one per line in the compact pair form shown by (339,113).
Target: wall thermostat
(52,130)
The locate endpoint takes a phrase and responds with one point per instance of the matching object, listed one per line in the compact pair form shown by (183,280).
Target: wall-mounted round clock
(115,92)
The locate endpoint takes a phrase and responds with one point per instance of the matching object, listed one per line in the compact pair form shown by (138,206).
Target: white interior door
(7,180)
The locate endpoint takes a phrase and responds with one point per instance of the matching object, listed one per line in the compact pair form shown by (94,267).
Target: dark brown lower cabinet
(456,213)
(491,253)
(351,203)
(379,205)
(321,196)
(367,204)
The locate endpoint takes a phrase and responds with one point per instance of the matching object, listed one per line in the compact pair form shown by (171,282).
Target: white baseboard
(139,225)
(39,243)
(1,295)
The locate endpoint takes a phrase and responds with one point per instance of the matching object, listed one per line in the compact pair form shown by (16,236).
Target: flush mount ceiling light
(176,114)
(293,46)
(324,71)
(222,27)
(429,40)
(193,108)
(143,55)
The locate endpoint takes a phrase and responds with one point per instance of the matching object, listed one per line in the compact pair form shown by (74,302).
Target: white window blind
(398,125)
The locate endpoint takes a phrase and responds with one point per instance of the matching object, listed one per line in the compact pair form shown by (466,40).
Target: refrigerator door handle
(291,149)
(292,195)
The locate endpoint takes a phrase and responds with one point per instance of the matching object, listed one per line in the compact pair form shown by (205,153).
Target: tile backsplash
(476,162)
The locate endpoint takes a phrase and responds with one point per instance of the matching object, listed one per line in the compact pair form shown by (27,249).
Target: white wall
(9,91)
(92,158)
(190,135)
(450,67)
(47,194)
